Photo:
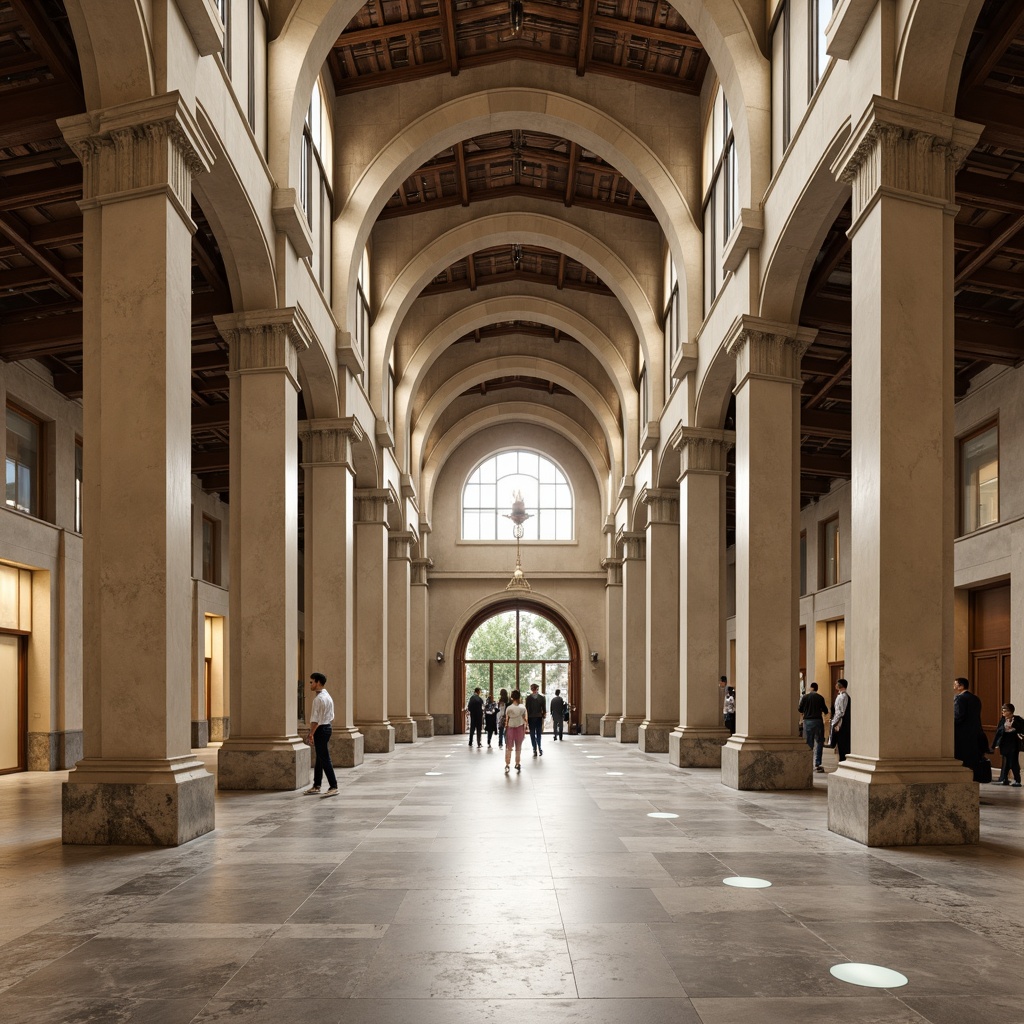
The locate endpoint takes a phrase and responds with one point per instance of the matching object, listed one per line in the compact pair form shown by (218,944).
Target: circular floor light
(868,975)
(662,814)
(741,882)
(615,773)
(594,757)
(433,773)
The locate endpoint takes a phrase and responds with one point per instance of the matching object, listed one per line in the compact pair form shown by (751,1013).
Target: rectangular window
(821,13)
(24,462)
(780,78)
(642,386)
(79,459)
(211,550)
(251,47)
(979,479)
(830,552)
(391,397)
(224,9)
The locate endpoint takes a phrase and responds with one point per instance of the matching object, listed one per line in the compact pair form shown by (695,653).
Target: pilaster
(328,487)
(612,645)
(399,695)
(419,651)
(634,636)
(766,753)
(703,455)
(371,619)
(897,787)
(264,750)
(137,782)
(662,620)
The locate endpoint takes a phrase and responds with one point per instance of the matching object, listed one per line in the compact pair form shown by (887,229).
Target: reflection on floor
(472,896)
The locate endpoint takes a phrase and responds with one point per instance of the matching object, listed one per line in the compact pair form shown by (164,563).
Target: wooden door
(990,675)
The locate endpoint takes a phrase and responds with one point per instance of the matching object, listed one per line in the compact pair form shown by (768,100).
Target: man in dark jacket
(969,740)
(536,711)
(813,708)
(476,716)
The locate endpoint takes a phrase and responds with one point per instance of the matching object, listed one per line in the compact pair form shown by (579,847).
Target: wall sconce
(593,656)
(439,657)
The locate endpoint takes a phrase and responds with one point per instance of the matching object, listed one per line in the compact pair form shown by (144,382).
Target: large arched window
(487,498)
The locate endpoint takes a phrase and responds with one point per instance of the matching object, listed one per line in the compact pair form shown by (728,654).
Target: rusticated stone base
(378,737)
(591,724)
(424,726)
(627,730)
(108,803)
(444,725)
(652,737)
(405,730)
(608,723)
(696,748)
(200,734)
(766,764)
(263,764)
(908,803)
(53,751)
(220,729)
(347,749)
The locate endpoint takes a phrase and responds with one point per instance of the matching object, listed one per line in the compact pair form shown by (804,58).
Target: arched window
(487,498)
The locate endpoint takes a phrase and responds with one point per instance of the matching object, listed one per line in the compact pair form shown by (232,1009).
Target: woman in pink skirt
(515,729)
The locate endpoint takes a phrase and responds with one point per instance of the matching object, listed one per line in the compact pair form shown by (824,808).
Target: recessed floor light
(594,757)
(662,814)
(740,882)
(433,773)
(615,773)
(868,975)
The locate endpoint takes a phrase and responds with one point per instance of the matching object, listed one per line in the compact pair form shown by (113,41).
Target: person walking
(813,708)
(515,730)
(842,720)
(321,715)
(558,709)
(475,707)
(536,712)
(490,718)
(970,743)
(1009,734)
(503,703)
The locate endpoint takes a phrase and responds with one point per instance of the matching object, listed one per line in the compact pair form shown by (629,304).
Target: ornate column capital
(906,151)
(145,147)
(371,504)
(400,544)
(634,547)
(702,450)
(266,341)
(613,568)
(329,442)
(767,350)
(662,506)
(420,568)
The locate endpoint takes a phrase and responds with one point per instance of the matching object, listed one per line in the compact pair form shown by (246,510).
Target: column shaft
(419,652)
(138,782)
(612,646)
(399,696)
(698,740)
(634,639)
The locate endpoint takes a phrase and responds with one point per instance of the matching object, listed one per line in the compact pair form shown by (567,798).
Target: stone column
(697,742)
(419,652)
(399,695)
(612,645)
(138,782)
(900,786)
(328,488)
(371,620)
(264,750)
(766,752)
(634,638)
(662,622)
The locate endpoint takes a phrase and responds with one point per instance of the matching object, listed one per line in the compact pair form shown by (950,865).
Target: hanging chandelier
(518,515)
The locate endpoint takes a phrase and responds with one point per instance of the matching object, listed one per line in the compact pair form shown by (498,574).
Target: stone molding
(139,148)
(634,547)
(400,544)
(613,569)
(329,442)
(420,568)
(662,506)
(290,220)
(266,341)
(702,450)
(767,350)
(204,25)
(746,234)
(370,505)
(906,151)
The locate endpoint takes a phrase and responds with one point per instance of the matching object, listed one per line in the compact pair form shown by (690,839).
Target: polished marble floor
(468,896)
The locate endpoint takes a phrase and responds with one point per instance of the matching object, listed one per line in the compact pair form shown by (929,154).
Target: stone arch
(714,391)
(931,53)
(498,229)
(522,412)
(117,65)
(481,314)
(510,365)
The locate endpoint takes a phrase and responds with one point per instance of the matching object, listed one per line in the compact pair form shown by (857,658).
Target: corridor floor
(468,896)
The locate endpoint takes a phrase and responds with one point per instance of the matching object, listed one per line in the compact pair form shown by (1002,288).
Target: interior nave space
(436,890)
(618,346)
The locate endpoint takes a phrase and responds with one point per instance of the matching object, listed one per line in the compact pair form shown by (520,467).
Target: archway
(512,644)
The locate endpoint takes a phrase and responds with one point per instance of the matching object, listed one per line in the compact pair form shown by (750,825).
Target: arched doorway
(512,644)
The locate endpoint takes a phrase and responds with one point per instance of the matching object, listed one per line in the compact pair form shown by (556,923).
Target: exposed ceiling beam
(48,44)
(825,465)
(19,235)
(994,43)
(394,30)
(47,336)
(448,34)
(832,425)
(991,193)
(30,114)
(586,31)
(997,241)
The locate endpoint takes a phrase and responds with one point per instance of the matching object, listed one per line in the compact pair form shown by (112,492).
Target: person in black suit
(969,740)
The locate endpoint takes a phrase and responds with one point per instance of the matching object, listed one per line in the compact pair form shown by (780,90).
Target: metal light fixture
(518,515)
(515,17)
(439,657)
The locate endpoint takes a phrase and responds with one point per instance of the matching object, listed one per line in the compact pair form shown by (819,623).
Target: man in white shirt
(321,715)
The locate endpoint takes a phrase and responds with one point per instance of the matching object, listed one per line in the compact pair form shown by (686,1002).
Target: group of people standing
(970,744)
(509,717)
(813,709)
